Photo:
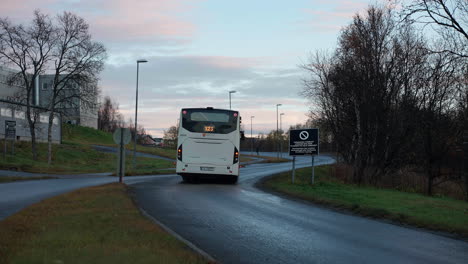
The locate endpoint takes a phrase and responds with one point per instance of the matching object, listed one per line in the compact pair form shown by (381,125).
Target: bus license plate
(207,168)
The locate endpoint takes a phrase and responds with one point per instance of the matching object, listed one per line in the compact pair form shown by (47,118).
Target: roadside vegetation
(265,159)
(76,155)
(392,96)
(92,225)
(13,178)
(436,213)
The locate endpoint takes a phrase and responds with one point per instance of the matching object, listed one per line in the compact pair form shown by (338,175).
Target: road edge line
(179,237)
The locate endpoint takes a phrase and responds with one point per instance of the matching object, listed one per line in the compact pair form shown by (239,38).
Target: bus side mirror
(242,135)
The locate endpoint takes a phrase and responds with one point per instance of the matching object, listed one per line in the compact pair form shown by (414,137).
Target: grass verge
(435,213)
(91,225)
(74,158)
(267,159)
(4,179)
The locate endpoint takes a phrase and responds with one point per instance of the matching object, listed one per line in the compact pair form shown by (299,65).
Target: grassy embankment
(4,179)
(89,136)
(91,225)
(436,213)
(76,155)
(266,159)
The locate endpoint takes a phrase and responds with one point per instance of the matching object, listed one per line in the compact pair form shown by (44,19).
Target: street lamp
(136,114)
(251,138)
(230,92)
(281,139)
(277,150)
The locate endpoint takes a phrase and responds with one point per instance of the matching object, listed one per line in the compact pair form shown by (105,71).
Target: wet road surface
(241,224)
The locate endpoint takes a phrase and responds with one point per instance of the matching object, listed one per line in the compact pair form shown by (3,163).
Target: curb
(179,237)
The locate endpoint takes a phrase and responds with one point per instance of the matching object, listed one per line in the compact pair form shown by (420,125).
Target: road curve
(241,224)
(15,196)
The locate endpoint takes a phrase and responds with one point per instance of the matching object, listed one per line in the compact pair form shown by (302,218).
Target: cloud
(162,22)
(332,17)
(169,83)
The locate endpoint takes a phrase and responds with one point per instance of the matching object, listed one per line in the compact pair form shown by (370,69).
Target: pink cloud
(232,62)
(117,20)
(22,10)
(144,19)
(331,19)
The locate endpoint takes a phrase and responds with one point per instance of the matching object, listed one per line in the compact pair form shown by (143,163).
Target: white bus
(208,144)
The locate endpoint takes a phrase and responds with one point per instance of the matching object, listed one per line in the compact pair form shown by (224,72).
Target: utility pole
(251,137)
(230,92)
(277,143)
(136,115)
(281,138)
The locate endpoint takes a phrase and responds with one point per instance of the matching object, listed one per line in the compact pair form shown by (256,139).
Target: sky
(199,50)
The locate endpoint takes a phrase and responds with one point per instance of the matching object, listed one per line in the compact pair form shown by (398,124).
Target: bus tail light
(236,155)
(179,153)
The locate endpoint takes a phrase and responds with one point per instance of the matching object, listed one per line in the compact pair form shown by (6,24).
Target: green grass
(85,135)
(436,213)
(73,134)
(92,225)
(267,159)
(73,158)
(163,152)
(4,179)
(76,155)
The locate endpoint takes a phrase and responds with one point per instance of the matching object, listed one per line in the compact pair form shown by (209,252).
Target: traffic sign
(127,136)
(304,142)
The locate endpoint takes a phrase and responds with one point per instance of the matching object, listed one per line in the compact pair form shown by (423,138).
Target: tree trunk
(465,164)
(430,179)
(33,141)
(32,130)
(49,138)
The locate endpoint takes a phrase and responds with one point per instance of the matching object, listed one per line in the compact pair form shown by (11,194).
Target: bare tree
(28,49)
(366,89)
(77,61)
(109,117)
(170,137)
(439,127)
(449,19)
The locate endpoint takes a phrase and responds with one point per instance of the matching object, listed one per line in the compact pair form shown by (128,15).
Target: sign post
(122,136)
(304,142)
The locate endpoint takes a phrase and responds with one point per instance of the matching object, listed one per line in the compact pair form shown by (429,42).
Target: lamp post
(230,92)
(281,138)
(277,150)
(136,114)
(251,138)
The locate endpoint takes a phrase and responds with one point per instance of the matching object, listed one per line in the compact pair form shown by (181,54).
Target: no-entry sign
(304,142)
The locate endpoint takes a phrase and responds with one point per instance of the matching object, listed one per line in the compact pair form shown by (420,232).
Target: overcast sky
(199,50)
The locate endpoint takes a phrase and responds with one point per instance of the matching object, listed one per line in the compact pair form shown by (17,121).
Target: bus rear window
(209,121)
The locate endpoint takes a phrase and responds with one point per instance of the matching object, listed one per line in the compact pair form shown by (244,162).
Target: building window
(19,114)
(45,86)
(44,119)
(5,112)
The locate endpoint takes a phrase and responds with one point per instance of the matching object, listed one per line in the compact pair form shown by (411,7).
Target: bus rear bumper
(207,169)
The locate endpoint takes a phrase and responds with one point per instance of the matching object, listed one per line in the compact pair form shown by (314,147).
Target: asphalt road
(241,224)
(15,196)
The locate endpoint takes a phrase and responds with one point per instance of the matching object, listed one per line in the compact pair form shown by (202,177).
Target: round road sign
(127,136)
(304,135)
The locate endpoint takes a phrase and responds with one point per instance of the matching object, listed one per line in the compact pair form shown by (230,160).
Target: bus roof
(208,108)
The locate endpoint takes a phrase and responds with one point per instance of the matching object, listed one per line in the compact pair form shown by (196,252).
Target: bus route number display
(209,128)
(304,142)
